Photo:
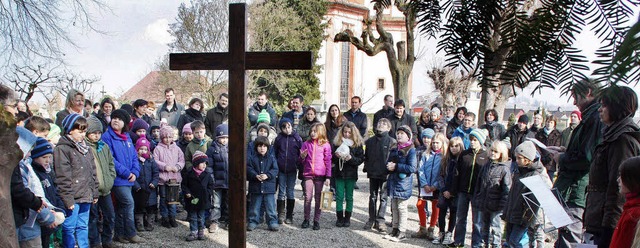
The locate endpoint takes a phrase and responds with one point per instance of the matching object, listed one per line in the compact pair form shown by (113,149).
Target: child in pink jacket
(316,165)
(170,161)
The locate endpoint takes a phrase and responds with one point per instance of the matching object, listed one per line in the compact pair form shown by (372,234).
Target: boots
(138,221)
(291,203)
(165,222)
(431,233)
(421,234)
(347,219)
(280,208)
(148,222)
(172,221)
(339,218)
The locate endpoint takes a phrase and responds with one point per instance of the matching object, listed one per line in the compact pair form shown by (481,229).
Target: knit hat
(139,124)
(428,133)
(578,113)
(42,147)
(93,124)
(480,134)
(527,149)
(122,115)
(222,130)
(187,128)
(406,129)
(264,117)
(54,131)
(263,126)
(142,141)
(285,120)
(198,158)
(167,131)
(68,121)
(127,107)
(523,119)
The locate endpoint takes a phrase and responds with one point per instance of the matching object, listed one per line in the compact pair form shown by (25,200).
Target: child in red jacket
(626,230)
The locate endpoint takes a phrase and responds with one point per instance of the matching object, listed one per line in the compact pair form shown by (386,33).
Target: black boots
(291,203)
(172,221)
(346,222)
(138,220)
(339,218)
(280,208)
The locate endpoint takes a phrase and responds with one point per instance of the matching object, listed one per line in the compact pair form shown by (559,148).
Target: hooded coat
(287,151)
(75,173)
(517,211)
(492,186)
(400,180)
(377,154)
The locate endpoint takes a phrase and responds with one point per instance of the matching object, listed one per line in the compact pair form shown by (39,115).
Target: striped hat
(42,147)
(67,122)
(198,158)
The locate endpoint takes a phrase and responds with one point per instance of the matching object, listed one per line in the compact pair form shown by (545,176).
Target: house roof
(152,86)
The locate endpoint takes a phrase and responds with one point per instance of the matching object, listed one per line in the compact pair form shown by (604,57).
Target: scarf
(146,156)
(198,172)
(547,130)
(404,145)
(31,180)
(122,135)
(631,195)
(80,146)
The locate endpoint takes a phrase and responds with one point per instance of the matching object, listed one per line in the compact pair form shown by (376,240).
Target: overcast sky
(137,37)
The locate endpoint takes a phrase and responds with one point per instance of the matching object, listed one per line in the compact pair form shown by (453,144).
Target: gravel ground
(294,236)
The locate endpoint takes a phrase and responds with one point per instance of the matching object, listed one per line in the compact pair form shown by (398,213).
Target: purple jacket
(318,160)
(287,151)
(167,157)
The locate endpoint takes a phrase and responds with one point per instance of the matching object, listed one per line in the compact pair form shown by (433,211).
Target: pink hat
(578,113)
(187,128)
(142,141)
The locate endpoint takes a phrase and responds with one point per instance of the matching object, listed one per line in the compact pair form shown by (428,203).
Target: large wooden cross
(237,60)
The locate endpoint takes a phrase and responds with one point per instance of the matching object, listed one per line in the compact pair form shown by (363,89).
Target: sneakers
(438,240)
(399,238)
(448,239)
(305,224)
(421,233)
(192,236)
(59,218)
(431,233)
(213,228)
(381,229)
(201,234)
(316,225)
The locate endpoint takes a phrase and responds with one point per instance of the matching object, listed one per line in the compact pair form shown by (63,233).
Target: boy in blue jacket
(262,171)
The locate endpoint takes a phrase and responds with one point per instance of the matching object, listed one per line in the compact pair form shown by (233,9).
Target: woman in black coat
(193,113)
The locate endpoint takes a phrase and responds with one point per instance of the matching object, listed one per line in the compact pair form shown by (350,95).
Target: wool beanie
(122,115)
(407,130)
(523,119)
(139,124)
(222,130)
(263,126)
(142,141)
(41,148)
(264,117)
(428,133)
(480,134)
(167,131)
(578,113)
(285,120)
(527,149)
(128,108)
(198,158)
(93,124)
(187,128)
(68,121)
(54,131)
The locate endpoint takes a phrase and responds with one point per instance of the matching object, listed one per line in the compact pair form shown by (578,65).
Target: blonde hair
(71,97)
(445,148)
(355,135)
(501,148)
(456,141)
(321,131)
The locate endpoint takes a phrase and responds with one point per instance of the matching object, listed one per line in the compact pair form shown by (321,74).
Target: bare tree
(453,86)
(27,79)
(70,80)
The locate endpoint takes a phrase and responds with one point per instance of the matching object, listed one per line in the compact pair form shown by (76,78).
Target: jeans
(464,200)
(287,182)
(487,229)
(220,212)
(104,205)
(377,190)
(442,218)
(166,210)
(196,220)
(515,234)
(124,225)
(571,233)
(257,202)
(344,191)
(75,226)
(313,191)
(399,214)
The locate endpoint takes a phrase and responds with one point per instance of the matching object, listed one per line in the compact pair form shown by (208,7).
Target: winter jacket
(146,118)
(566,134)
(384,112)
(49,185)
(253,134)
(515,137)
(200,187)
(496,131)
(620,141)
(552,139)
(429,170)
(287,151)
(347,169)
(215,117)
(304,127)
(573,165)
(257,165)
(22,199)
(470,163)
(627,227)
(492,187)
(452,125)
(358,118)
(251,150)
(148,175)
(517,211)
(182,144)
(105,166)
(332,130)
(192,147)
(445,183)
(219,164)
(464,135)
(125,157)
(63,113)
(190,115)
(169,157)
(406,119)
(400,180)
(376,155)
(75,173)
(172,115)
(296,118)
(255,109)
(317,163)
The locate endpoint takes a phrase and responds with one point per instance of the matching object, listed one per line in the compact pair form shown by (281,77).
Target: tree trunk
(8,161)
(400,76)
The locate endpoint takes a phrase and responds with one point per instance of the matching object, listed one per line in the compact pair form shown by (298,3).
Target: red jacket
(625,231)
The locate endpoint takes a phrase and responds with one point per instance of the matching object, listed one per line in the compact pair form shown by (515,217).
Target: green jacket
(192,147)
(105,167)
(574,164)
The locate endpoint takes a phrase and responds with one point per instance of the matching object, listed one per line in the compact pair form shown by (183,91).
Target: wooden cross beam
(237,61)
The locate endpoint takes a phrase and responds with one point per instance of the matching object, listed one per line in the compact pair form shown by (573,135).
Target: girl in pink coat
(315,156)
(170,161)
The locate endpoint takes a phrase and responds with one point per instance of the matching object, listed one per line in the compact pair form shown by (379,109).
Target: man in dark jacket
(516,135)
(356,116)
(217,115)
(297,111)
(402,118)
(375,165)
(386,111)
(574,163)
(170,109)
(260,104)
